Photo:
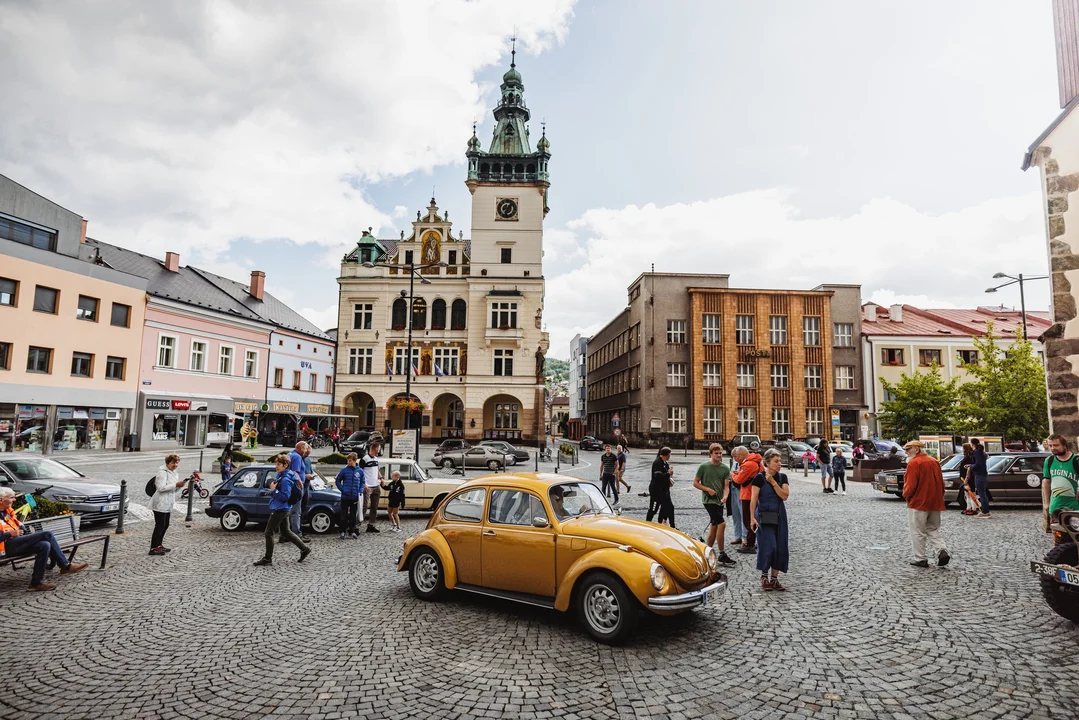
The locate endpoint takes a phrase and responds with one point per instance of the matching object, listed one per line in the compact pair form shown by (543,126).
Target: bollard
(123,501)
(557,462)
(537,460)
(200,460)
(190,499)
(805,467)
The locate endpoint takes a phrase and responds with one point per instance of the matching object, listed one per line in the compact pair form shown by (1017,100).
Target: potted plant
(504,327)
(46,514)
(438,327)
(458,327)
(398,327)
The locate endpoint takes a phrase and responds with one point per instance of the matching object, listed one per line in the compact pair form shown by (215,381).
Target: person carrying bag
(768,510)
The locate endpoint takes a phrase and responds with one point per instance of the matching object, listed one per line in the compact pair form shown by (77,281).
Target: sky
(788,144)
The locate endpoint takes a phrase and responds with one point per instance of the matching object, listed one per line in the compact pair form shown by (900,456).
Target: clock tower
(509,184)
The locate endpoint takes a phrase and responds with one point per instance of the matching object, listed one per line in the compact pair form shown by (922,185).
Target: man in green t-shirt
(712,479)
(1060,483)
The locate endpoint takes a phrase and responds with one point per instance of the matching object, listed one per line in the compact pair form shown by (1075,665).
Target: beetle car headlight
(710,556)
(659,576)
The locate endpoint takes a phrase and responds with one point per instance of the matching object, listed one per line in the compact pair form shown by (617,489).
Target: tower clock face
(507,208)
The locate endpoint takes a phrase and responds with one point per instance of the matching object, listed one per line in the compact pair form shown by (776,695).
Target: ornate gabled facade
(477,341)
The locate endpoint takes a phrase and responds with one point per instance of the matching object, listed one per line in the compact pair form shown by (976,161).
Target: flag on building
(415,371)
(438,370)
(389,369)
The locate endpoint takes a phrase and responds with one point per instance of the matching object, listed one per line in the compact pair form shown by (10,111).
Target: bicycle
(202,491)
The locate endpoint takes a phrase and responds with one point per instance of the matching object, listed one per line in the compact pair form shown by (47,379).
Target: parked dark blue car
(246,498)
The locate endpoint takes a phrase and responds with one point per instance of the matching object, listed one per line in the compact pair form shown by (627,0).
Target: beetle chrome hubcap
(601,609)
(426,573)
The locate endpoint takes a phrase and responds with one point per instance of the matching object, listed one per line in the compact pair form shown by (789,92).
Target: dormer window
(408,257)
(365,255)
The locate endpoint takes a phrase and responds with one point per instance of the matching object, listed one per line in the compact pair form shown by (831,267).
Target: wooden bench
(66,530)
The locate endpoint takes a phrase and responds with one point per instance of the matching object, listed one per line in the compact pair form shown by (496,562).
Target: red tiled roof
(955,323)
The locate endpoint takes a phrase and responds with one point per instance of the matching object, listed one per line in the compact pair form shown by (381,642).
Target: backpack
(296,494)
(151,486)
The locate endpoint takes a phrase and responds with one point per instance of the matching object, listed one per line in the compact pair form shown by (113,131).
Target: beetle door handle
(489,533)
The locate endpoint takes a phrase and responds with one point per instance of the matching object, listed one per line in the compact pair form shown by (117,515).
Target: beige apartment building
(476,322)
(70,332)
(903,339)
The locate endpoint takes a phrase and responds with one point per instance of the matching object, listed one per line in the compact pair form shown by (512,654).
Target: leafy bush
(334,459)
(49,508)
(239,456)
(565,449)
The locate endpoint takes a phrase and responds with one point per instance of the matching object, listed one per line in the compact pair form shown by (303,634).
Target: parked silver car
(94,501)
(473,457)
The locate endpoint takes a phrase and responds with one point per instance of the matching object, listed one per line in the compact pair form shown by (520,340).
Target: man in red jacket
(923,488)
(749,467)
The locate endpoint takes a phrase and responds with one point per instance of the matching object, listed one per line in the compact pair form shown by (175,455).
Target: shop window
(166,427)
(82,364)
(87,308)
(46,299)
(115,368)
(39,360)
(121,315)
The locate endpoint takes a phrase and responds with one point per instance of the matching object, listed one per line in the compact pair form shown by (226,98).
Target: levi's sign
(181,404)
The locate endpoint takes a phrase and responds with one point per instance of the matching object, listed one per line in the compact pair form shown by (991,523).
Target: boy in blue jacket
(279,512)
(839,470)
(350,482)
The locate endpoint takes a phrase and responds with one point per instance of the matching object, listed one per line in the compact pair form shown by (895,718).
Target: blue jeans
(295,514)
(825,470)
(981,484)
(44,545)
(736,513)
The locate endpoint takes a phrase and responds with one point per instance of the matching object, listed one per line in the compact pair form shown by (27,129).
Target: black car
(591,443)
(1013,477)
(452,445)
(519,455)
(355,443)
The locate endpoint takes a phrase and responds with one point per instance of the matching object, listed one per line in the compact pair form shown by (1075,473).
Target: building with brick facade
(475,323)
(692,358)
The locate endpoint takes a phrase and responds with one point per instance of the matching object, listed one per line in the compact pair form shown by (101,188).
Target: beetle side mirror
(540,522)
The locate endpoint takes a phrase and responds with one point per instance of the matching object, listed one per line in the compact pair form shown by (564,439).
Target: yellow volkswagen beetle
(553,541)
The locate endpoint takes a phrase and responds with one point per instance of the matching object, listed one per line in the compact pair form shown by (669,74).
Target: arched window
(457,314)
(496,169)
(419,314)
(531,168)
(485,169)
(520,169)
(398,319)
(438,314)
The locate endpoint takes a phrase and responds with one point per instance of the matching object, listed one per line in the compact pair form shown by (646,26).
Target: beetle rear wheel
(425,575)
(606,608)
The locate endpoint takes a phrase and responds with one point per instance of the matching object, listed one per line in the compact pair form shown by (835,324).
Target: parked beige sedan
(422,492)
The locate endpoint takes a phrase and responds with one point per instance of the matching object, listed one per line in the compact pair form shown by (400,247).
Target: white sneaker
(844,492)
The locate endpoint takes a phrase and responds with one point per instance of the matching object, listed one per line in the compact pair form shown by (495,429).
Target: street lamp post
(412,268)
(1022,297)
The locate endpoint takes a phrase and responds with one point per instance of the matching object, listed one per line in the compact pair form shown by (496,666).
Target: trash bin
(131,442)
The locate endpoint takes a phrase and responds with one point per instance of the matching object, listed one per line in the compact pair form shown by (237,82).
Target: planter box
(328,471)
(64,527)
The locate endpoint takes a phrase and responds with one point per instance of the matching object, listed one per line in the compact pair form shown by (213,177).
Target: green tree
(1005,393)
(922,401)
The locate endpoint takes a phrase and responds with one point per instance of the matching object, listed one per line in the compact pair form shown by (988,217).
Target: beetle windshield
(575,499)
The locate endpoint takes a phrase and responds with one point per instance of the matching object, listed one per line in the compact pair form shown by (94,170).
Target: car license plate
(112,507)
(1068,577)
(710,597)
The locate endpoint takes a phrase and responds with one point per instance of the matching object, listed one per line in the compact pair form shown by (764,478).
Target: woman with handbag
(966,497)
(768,511)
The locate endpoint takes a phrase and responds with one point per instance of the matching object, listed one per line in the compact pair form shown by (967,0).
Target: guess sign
(181,404)
(157,405)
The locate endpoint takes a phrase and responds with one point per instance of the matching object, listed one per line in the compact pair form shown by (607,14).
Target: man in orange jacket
(750,466)
(15,541)
(923,488)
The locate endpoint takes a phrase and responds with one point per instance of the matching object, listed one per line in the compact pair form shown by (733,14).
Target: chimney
(172,262)
(870,313)
(1066,27)
(895,313)
(258,284)
(82,237)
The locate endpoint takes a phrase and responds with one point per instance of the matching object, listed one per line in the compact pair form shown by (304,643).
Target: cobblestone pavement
(201,633)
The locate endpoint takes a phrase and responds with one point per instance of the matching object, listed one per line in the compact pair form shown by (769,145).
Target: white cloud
(323,318)
(182,126)
(894,251)
(400,211)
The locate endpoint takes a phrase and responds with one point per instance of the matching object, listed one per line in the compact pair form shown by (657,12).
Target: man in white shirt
(372,484)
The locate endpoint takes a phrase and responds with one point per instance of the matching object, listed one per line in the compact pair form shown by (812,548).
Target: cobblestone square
(201,633)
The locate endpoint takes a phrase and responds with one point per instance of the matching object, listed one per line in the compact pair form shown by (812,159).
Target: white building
(578,387)
(476,322)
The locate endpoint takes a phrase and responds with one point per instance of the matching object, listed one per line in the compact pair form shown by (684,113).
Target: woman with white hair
(768,513)
(14,540)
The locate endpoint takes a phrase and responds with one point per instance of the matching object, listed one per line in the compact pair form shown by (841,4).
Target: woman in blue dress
(768,508)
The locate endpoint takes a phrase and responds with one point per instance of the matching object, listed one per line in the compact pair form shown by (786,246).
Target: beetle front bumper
(690,600)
